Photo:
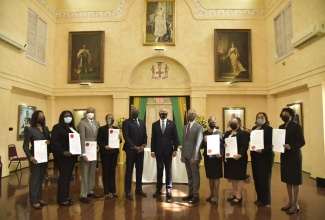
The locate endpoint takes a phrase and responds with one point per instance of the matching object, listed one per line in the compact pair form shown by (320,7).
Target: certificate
(113,138)
(40,151)
(231,148)
(74,143)
(213,144)
(257,140)
(278,140)
(91,150)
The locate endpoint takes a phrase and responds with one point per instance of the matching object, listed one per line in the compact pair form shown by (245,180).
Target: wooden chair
(13,156)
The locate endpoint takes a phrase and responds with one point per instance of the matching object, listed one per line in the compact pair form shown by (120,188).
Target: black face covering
(163,115)
(41,121)
(285,118)
(191,117)
(212,125)
(135,115)
(233,126)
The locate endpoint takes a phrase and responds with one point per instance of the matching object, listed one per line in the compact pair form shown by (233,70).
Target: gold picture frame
(231,112)
(24,119)
(297,108)
(159,23)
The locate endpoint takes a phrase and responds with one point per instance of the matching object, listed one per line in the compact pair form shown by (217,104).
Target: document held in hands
(74,143)
(40,151)
(278,140)
(213,144)
(113,138)
(257,140)
(91,150)
(231,148)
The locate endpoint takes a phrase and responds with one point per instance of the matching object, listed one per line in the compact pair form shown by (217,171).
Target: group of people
(164,146)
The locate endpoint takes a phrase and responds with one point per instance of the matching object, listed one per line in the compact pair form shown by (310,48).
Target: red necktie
(188,128)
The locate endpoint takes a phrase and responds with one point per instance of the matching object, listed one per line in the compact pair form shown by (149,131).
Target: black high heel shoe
(37,206)
(43,203)
(236,201)
(295,211)
(209,198)
(286,208)
(231,198)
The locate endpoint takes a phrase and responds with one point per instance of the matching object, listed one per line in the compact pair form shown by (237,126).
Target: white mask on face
(260,121)
(67,120)
(90,115)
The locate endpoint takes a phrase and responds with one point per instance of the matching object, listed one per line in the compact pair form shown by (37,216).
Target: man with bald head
(88,128)
(164,145)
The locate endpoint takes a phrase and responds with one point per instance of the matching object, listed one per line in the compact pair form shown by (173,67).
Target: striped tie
(163,126)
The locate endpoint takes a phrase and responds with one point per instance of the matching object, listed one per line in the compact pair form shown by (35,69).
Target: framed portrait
(232,55)
(24,119)
(297,108)
(86,57)
(159,22)
(78,115)
(230,113)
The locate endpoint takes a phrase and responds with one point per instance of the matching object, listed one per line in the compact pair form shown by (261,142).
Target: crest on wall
(159,70)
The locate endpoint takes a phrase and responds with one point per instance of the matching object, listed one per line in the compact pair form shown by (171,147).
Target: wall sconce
(159,51)
(233,84)
(85,85)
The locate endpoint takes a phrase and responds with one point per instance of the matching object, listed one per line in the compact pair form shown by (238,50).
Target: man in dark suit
(135,136)
(164,144)
(191,156)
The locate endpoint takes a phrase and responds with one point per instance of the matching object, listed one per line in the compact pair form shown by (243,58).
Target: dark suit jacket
(60,139)
(102,140)
(133,135)
(294,136)
(164,144)
(267,151)
(32,134)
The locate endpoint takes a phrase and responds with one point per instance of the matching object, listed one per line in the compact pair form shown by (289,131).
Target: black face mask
(135,115)
(163,115)
(285,118)
(110,121)
(41,121)
(212,125)
(233,126)
(191,118)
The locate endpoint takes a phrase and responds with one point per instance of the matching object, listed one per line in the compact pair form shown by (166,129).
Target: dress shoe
(295,211)
(231,198)
(71,201)
(43,203)
(66,203)
(214,200)
(106,196)
(187,197)
(236,201)
(286,208)
(169,195)
(194,200)
(84,200)
(209,198)
(37,206)
(115,195)
(257,202)
(141,193)
(92,195)
(157,193)
(129,196)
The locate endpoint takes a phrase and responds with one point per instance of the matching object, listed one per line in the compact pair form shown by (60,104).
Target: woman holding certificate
(213,158)
(236,145)
(61,135)
(262,158)
(39,137)
(291,159)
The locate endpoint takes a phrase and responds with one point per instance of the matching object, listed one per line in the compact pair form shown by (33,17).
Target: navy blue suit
(163,145)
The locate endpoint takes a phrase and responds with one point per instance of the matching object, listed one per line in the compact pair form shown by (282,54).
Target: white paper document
(113,138)
(257,140)
(213,144)
(231,148)
(40,151)
(278,140)
(74,143)
(91,150)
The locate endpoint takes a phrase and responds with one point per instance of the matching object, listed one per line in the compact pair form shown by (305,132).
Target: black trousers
(164,162)
(132,157)
(37,173)
(65,165)
(109,162)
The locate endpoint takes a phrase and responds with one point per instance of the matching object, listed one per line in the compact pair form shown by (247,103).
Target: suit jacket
(60,139)
(102,140)
(86,132)
(164,143)
(294,136)
(32,134)
(133,135)
(192,142)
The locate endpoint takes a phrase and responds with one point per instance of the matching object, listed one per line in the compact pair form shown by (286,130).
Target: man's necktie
(93,126)
(163,126)
(137,122)
(188,128)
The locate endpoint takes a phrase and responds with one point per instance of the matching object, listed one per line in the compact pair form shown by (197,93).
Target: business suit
(88,169)
(163,144)
(37,171)
(108,159)
(134,136)
(191,150)
(60,143)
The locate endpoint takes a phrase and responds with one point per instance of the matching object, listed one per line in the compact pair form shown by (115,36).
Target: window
(283,34)
(36,37)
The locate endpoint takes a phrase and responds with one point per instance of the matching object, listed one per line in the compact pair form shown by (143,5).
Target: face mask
(67,120)
(110,121)
(90,115)
(135,115)
(191,117)
(163,115)
(233,126)
(41,121)
(212,125)
(260,121)
(285,118)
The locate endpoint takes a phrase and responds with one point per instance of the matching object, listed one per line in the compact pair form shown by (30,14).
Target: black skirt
(213,167)
(291,167)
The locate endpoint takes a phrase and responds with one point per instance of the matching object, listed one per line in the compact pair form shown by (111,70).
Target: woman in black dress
(291,159)
(62,155)
(213,163)
(262,162)
(235,168)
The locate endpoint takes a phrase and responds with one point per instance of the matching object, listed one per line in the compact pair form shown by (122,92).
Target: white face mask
(90,115)
(260,121)
(67,120)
